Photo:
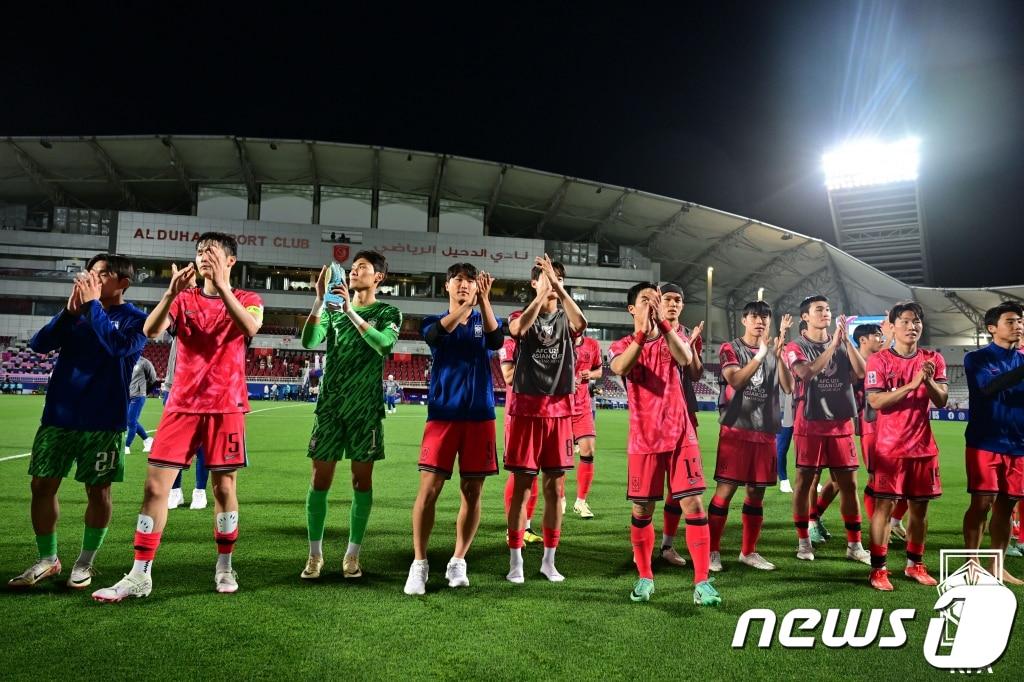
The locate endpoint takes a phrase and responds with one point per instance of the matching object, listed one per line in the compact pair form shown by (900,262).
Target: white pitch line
(265,409)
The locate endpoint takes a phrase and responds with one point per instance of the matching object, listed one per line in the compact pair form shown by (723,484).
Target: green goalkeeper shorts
(97,454)
(335,439)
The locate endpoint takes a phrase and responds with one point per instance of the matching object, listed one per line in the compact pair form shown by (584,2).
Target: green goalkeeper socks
(93,538)
(316,514)
(47,545)
(362,501)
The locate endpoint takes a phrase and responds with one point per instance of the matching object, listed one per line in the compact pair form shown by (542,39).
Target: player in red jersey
(826,368)
(539,438)
(588,368)
(649,360)
(673,302)
(507,358)
(900,382)
(206,408)
(753,368)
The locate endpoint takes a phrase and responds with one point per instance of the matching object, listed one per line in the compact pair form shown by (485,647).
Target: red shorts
(746,462)
(826,452)
(913,478)
(647,475)
(473,442)
(180,434)
(583,426)
(535,444)
(992,473)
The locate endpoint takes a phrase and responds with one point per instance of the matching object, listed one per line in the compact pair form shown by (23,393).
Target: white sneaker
(147,444)
(784,486)
(198,499)
(583,509)
(755,560)
(456,573)
(127,450)
(673,557)
(716,562)
(856,552)
(561,501)
(40,570)
(226,581)
(81,577)
(805,550)
(175,499)
(132,585)
(416,583)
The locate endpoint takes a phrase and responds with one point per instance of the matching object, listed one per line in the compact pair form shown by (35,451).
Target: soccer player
(540,429)
(671,310)
(588,367)
(507,362)
(349,414)
(995,429)
(658,451)
(753,367)
(143,376)
(99,336)
(176,497)
(826,367)
(392,390)
(213,325)
(900,382)
(460,417)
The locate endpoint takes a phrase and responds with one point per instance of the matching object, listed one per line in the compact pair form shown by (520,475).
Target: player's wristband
(318,308)
(761,354)
(350,311)
(640,338)
(664,326)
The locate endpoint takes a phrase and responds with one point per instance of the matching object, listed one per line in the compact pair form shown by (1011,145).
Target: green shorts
(97,453)
(335,438)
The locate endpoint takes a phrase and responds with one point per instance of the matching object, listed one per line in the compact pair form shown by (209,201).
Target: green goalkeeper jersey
(351,383)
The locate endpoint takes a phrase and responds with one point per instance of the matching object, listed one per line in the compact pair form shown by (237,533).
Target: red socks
(551,537)
(673,514)
(718,512)
(698,542)
(584,477)
(753,518)
(641,533)
(915,552)
(878,555)
(145,545)
(515,539)
(225,541)
(852,524)
(802,523)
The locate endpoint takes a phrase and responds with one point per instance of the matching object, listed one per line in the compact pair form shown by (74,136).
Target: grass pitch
(279,627)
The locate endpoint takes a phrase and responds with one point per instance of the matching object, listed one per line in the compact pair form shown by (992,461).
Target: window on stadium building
(83,220)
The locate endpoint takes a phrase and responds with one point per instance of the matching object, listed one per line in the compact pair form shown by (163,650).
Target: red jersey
(507,356)
(209,370)
(903,430)
(657,408)
(588,358)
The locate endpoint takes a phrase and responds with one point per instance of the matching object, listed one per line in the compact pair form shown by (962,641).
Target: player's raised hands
(321,282)
(544,290)
(74,300)
(696,332)
(89,287)
(839,336)
(762,349)
(928,369)
(220,271)
(181,279)
(784,325)
(778,343)
(642,316)
(484,281)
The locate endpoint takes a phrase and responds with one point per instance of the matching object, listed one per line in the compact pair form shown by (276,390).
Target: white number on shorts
(105,461)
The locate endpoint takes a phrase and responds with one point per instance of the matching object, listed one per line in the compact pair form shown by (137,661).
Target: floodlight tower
(876,205)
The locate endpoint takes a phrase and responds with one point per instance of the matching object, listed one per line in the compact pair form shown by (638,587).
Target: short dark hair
(467,269)
(557,265)
(992,315)
(226,241)
(673,288)
(805,305)
(377,260)
(802,327)
(905,307)
(865,330)
(635,290)
(759,308)
(119,265)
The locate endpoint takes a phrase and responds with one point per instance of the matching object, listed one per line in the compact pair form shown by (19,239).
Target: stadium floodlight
(860,163)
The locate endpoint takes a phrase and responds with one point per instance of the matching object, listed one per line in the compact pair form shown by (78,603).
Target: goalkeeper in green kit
(347,423)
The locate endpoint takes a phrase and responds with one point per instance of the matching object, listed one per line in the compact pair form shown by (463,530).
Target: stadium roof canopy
(161,173)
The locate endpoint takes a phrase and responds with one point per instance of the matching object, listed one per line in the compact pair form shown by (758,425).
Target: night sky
(725,104)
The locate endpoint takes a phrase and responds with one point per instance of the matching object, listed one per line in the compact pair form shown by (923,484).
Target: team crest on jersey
(547,329)
(792,356)
(758,377)
(478,330)
(117,324)
(393,327)
(872,377)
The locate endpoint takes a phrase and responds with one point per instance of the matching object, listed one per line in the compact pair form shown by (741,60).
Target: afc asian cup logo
(976,612)
(341,252)
(758,377)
